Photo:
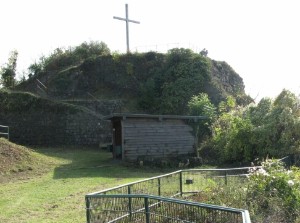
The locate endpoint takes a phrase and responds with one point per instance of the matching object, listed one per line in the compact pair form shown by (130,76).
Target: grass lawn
(54,190)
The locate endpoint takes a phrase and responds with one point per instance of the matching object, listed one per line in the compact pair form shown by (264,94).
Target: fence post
(4,132)
(158,179)
(87,204)
(226,177)
(147,211)
(180,181)
(129,203)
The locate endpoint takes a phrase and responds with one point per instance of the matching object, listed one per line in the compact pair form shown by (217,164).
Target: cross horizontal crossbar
(129,20)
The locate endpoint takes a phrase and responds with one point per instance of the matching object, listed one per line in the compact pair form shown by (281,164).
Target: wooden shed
(157,136)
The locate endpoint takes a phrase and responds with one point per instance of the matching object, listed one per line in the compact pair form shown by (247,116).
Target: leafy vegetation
(8,71)
(270,193)
(274,193)
(62,58)
(268,129)
(200,105)
(155,82)
(11,102)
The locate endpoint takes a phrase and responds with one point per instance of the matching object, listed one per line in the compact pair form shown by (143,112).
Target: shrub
(273,193)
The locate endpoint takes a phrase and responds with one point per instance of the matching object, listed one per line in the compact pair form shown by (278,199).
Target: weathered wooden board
(156,138)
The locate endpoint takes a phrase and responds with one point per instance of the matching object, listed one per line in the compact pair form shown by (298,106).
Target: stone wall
(43,122)
(44,128)
(103,107)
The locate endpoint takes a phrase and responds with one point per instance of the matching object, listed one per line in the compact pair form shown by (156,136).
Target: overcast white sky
(259,39)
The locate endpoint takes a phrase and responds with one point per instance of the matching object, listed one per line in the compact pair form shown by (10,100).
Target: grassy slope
(56,194)
(18,162)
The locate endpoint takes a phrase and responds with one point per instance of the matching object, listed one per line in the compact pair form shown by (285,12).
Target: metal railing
(180,183)
(6,131)
(148,208)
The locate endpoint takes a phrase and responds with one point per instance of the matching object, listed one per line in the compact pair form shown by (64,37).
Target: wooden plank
(134,124)
(159,142)
(165,145)
(144,150)
(156,138)
(157,128)
(160,137)
(157,132)
(151,152)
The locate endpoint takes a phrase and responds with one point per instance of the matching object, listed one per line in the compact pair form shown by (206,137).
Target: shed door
(117,141)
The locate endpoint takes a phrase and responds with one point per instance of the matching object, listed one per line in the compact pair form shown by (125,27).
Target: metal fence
(4,131)
(128,203)
(148,208)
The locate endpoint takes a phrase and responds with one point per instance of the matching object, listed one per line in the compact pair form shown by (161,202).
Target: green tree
(270,129)
(277,126)
(228,105)
(200,105)
(90,49)
(232,136)
(8,71)
(62,58)
(284,125)
(184,76)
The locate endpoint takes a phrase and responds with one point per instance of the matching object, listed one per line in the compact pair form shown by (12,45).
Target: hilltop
(149,82)
(67,93)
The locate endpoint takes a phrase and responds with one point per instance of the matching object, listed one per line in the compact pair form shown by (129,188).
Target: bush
(273,193)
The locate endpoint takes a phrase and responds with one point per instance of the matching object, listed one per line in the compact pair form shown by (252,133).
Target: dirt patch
(15,161)
(12,156)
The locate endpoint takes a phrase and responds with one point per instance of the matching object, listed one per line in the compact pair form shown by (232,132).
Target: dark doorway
(117,140)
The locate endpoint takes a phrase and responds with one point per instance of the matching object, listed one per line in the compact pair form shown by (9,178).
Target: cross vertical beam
(127,20)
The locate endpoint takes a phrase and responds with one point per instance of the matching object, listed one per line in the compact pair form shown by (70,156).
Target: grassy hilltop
(147,82)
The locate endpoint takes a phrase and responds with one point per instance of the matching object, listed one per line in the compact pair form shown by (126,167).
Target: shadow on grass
(80,162)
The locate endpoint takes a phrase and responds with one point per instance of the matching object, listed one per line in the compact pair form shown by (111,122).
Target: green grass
(55,193)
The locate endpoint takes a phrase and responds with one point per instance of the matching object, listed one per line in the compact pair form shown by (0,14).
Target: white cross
(127,20)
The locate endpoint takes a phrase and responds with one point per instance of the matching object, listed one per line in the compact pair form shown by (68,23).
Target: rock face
(224,82)
(230,81)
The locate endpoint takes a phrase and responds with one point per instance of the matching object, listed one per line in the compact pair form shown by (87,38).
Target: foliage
(200,105)
(62,58)
(13,102)
(184,76)
(157,83)
(8,72)
(228,105)
(164,83)
(277,125)
(273,193)
(270,129)
(231,136)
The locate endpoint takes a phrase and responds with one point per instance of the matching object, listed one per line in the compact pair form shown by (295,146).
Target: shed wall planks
(156,138)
